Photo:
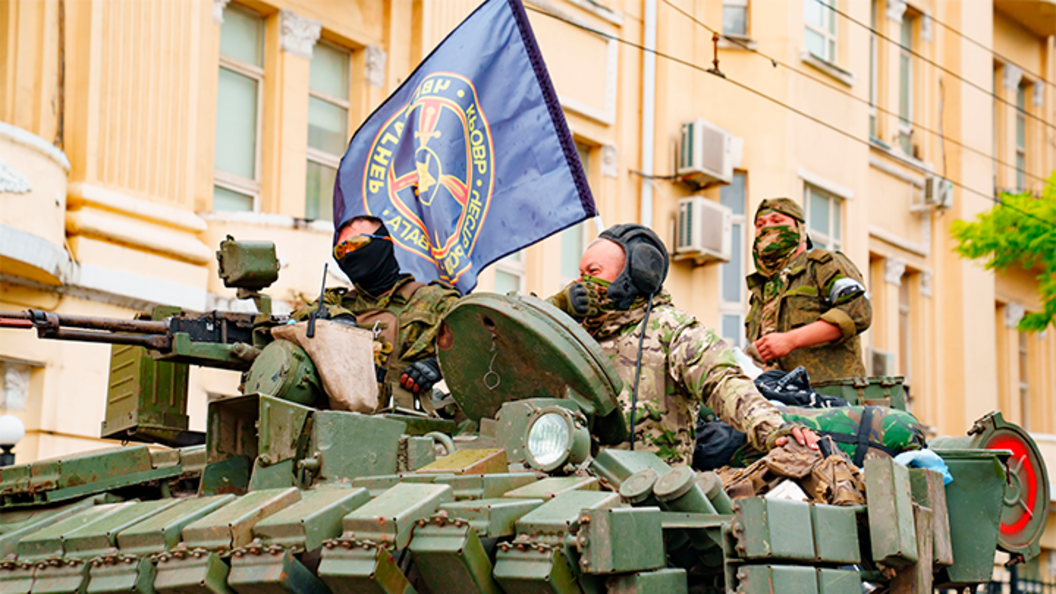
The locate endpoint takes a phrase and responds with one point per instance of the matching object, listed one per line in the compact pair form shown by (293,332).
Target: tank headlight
(555,436)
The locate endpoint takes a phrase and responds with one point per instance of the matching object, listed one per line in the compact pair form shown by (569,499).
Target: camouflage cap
(785,206)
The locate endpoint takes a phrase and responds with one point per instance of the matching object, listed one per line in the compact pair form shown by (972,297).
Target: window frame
(1021,143)
(905,83)
(905,326)
(1023,386)
(820,239)
(513,264)
(231,181)
(828,22)
(874,72)
(743,4)
(586,152)
(729,308)
(321,157)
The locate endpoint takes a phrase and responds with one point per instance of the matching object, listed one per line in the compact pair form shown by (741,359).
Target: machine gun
(221,339)
(150,359)
(217,339)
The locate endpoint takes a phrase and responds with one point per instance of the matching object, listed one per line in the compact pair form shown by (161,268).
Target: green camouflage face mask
(604,284)
(774,248)
(604,303)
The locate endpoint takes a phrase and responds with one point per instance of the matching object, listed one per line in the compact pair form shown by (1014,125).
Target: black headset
(646,267)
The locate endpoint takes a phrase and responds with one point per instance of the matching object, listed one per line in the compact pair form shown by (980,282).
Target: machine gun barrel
(146,333)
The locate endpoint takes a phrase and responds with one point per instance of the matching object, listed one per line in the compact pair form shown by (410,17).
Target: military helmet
(646,266)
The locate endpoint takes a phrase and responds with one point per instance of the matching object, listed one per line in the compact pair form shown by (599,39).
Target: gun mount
(147,399)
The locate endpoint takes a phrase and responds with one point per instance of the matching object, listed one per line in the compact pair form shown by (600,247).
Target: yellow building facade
(136,134)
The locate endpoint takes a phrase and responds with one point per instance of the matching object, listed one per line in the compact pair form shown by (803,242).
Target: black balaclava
(373,267)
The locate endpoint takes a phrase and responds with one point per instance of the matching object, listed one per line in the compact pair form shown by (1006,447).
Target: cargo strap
(861,439)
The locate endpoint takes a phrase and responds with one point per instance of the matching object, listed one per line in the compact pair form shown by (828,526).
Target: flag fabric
(470,159)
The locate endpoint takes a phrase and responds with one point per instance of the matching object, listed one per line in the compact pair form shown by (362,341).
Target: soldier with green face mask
(807,307)
(620,301)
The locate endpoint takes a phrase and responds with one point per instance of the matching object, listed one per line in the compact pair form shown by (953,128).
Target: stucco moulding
(49,263)
(119,218)
(297,34)
(893,271)
(12,181)
(375,66)
(1014,312)
(30,140)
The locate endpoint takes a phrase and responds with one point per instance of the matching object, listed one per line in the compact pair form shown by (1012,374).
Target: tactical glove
(579,300)
(421,375)
(782,431)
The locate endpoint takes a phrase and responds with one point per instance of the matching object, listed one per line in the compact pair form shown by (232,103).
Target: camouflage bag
(863,431)
(835,480)
(827,477)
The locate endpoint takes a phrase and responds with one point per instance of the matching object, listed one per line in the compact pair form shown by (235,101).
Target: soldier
(682,362)
(404,313)
(807,307)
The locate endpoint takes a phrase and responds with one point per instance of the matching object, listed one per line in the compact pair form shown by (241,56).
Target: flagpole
(598,225)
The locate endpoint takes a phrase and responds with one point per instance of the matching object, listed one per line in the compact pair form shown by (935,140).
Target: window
(874,69)
(996,116)
(905,330)
(735,18)
(238,111)
(573,239)
(732,273)
(1024,381)
(824,218)
(327,127)
(1021,137)
(821,29)
(509,274)
(905,87)
(571,253)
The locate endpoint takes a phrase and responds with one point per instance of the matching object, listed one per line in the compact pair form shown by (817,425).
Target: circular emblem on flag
(431,173)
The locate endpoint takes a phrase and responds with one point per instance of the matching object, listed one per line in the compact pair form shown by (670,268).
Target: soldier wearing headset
(808,306)
(668,361)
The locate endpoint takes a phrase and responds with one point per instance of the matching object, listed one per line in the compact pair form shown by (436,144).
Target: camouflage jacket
(803,298)
(683,364)
(418,308)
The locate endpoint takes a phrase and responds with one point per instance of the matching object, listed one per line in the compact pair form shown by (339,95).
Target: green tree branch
(1020,231)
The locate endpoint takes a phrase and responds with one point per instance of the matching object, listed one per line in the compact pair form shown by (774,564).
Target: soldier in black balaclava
(404,313)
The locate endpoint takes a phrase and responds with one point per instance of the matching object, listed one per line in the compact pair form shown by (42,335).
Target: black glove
(583,298)
(421,375)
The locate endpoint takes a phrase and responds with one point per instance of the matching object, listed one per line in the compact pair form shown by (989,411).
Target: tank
(284,496)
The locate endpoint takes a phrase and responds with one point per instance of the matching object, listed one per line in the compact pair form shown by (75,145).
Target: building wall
(109,110)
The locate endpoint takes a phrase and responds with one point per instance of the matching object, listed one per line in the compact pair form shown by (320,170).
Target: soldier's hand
(775,345)
(583,298)
(803,436)
(420,376)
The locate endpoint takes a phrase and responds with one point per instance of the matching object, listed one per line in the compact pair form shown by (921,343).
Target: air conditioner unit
(706,154)
(703,231)
(938,192)
(881,363)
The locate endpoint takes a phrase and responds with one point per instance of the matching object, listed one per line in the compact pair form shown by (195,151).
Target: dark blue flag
(470,159)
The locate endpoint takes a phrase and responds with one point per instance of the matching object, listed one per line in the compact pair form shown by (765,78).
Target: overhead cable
(773,100)
(916,125)
(924,58)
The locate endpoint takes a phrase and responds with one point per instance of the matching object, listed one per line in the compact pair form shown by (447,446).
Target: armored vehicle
(286,495)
